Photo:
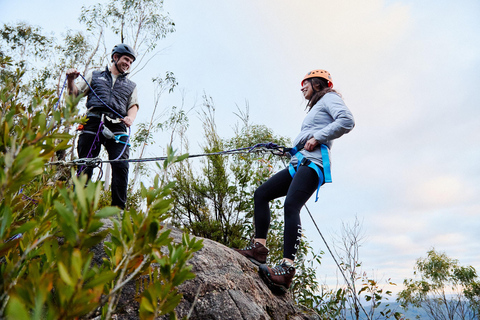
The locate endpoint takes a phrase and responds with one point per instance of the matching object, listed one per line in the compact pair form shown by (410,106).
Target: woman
(328,118)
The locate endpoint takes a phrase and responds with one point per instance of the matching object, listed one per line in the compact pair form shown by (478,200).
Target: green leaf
(25,227)
(94,226)
(107,212)
(5,247)
(145,304)
(16,310)
(6,218)
(77,263)
(101,279)
(64,274)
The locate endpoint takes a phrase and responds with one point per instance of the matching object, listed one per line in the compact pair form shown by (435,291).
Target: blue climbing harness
(302,161)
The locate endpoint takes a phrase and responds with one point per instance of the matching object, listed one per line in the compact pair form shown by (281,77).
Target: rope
(61,93)
(93,147)
(336,262)
(95,162)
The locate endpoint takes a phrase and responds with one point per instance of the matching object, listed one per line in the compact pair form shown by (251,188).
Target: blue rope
(61,93)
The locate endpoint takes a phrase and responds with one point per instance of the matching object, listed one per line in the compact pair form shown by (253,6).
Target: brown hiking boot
(255,252)
(279,278)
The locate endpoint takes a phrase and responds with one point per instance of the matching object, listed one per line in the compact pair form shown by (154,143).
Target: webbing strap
(326,163)
(304,161)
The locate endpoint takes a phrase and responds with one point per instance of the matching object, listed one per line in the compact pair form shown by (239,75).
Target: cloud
(440,191)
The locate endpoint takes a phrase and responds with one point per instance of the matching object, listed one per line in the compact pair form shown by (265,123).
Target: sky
(408,70)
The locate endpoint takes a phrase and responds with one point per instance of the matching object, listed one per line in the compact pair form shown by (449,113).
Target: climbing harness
(324,176)
(102,128)
(117,137)
(110,118)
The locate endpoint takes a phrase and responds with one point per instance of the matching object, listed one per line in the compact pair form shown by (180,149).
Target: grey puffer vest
(116,98)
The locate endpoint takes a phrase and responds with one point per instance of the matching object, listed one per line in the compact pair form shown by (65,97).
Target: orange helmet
(319,74)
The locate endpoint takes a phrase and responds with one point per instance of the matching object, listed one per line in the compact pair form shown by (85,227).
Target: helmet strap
(116,65)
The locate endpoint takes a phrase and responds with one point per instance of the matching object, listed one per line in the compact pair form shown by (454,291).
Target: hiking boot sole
(255,262)
(277,289)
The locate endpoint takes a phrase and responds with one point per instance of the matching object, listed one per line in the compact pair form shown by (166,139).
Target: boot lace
(250,246)
(280,270)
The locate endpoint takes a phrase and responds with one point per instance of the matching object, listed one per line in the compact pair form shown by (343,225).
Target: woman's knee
(291,209)
(259,194)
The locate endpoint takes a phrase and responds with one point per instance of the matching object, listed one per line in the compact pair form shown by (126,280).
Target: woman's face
(307,90)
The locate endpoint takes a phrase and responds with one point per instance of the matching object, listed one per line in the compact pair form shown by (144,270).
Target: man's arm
(131,115)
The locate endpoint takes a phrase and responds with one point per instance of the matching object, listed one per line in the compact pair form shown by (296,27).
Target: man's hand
(72,74)
(311,144)
(131,115)
(127,120)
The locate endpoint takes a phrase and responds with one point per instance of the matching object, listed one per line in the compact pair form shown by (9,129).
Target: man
(113,101)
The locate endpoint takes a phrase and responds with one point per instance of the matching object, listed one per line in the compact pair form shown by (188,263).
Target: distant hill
(411,314)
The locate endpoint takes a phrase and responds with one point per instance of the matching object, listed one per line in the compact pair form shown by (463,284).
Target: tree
(347,302)
(445,289)
(141,23)
(218,202)
(28,47)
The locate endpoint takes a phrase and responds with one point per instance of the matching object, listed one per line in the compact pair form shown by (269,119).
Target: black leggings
(297,190)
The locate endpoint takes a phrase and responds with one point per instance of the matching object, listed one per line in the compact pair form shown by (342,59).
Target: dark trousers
(297,191)
(88,143)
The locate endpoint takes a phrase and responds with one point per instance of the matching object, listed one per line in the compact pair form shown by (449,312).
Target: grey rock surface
(227,286)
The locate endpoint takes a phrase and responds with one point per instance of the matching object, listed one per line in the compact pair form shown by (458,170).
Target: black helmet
(122,49)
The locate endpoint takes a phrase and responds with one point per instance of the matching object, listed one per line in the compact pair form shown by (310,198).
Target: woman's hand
(311,144)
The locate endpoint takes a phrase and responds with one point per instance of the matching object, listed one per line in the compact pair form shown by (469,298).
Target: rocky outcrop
(226,286)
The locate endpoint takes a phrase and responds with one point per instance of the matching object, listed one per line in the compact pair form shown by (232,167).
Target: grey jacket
(328,119)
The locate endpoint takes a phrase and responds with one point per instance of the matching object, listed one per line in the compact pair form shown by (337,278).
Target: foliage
(218,202)
(145,131)
(347,302)
(25,42)
(134,198)
(48,231)
(445,289)
(28,47)
(140,23)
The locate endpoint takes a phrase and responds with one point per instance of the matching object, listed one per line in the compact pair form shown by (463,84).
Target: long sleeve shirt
(328,119)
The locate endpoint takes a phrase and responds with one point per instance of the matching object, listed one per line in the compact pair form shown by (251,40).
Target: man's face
(124,62)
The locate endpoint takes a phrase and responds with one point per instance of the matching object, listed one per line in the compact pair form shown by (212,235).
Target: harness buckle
(305,162)
(112,120)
